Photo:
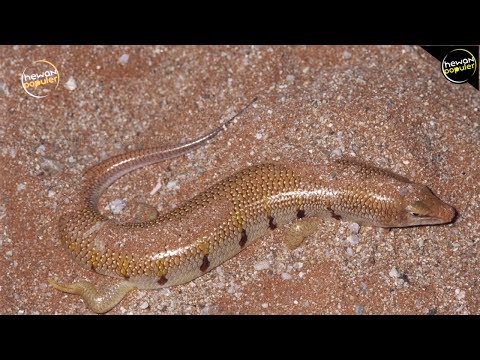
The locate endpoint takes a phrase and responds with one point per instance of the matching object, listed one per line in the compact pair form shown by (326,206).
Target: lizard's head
(421,207)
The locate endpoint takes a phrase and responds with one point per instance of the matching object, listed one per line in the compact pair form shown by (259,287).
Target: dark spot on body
(405,278)
(243,239)
(205,264)
(126,277)
(300,214)
(334,215)
(163,280)
(271,223)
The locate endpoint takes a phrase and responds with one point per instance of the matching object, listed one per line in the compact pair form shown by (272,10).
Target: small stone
(394,273)
(21,187)
(9,253)
(349,251)
(116,206)
(123,59)
(286,276)
(354,228)
(51,166)
(21,312)
(40,149)
(172,185)
(301,274)
(51,193)
(359,309)
(295,302)
(208,310)
(337,152)
(459,294)
(290,78)
(144,305)
(346,55)
(298,265)
(258,135)
(4,89)
(264,305)
(71,84)
(261,265)
(157,187)
(353,239)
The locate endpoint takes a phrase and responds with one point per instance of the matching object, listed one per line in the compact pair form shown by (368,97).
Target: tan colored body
(221,221)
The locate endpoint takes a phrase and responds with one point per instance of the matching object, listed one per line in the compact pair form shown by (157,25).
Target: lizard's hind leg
(101,299)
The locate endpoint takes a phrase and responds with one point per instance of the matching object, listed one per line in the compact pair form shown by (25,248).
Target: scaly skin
(224,219)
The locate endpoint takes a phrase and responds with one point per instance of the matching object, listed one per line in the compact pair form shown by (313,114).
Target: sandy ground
(390,106)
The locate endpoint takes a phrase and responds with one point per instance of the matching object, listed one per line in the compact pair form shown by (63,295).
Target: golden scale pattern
(249,191)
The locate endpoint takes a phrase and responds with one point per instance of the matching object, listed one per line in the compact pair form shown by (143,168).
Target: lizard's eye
(418,209)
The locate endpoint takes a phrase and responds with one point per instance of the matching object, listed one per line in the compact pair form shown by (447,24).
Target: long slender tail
(102,175)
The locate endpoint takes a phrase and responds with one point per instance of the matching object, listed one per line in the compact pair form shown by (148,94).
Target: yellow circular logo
(40,78)
(459,65)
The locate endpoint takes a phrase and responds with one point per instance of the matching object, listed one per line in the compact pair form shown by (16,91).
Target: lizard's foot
(99,300)
(299,230)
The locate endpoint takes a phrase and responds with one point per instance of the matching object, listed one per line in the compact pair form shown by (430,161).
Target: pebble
(394,273)
(353,239)
(264,305)
(144,305)
(337,152)
(286,276)
(359,309)
(298,265)
(116,206)
(51,166)
(71,84)
(123,59)
(40,149)
(354,228)
(261,265)
(459,294)
(4,89)
(172,185)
